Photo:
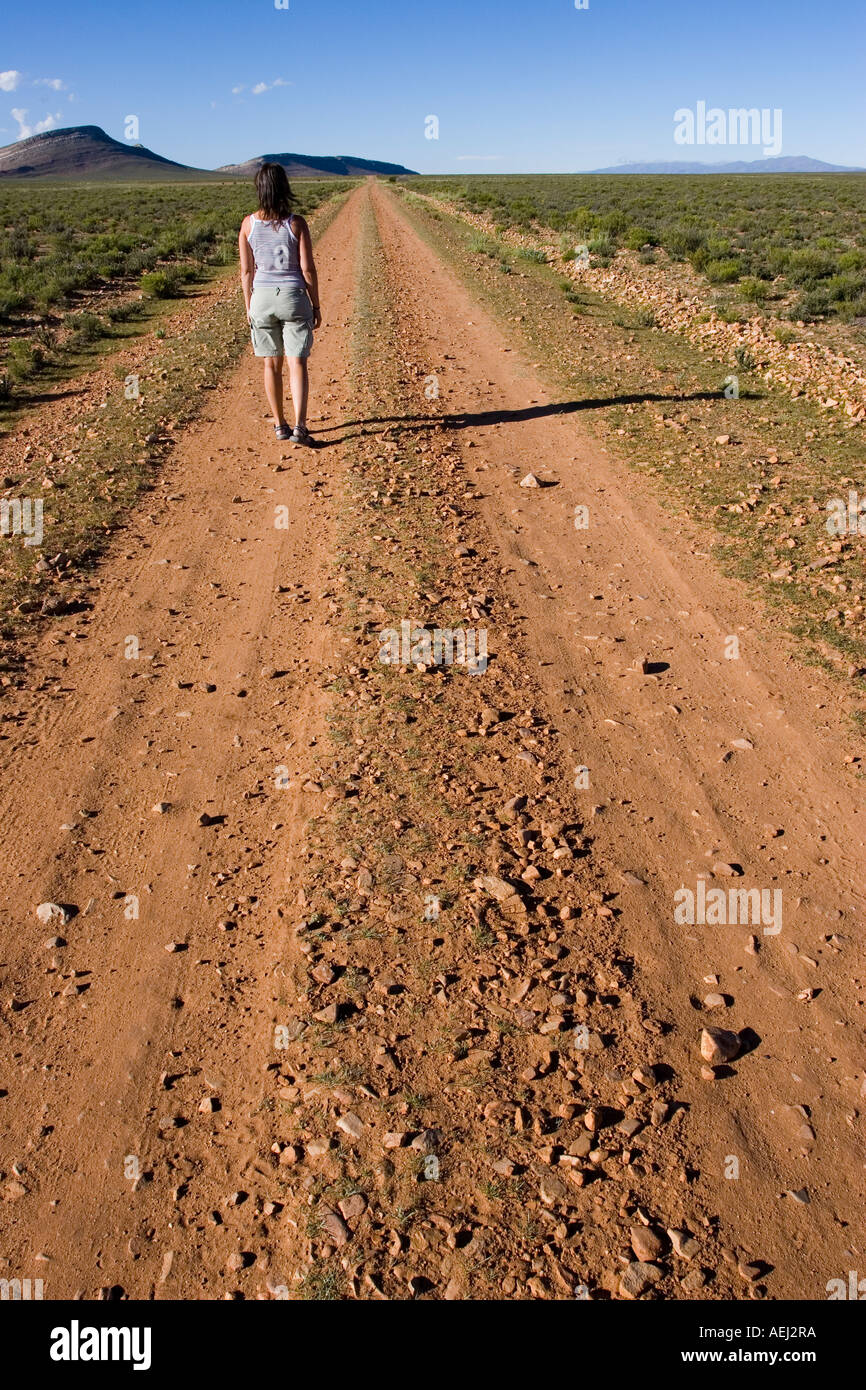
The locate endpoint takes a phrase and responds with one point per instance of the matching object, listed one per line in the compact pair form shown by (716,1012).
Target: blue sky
(538,86)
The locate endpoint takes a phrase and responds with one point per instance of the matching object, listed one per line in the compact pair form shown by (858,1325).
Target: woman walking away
(281,292)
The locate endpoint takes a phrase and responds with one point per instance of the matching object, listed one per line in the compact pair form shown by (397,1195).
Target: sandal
(301,435)
(283,431)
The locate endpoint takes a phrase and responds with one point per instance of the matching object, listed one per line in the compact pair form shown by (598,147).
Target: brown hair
(275,193)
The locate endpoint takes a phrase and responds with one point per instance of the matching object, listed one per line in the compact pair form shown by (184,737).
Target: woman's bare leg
(274,387)
(299,381)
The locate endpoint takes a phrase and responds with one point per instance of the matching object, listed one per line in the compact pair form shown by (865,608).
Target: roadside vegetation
(794,244)
(80,261)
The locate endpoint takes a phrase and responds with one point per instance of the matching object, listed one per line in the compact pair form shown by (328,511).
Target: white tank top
(275,248)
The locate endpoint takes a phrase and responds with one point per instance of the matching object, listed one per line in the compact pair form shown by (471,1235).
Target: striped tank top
(275,249)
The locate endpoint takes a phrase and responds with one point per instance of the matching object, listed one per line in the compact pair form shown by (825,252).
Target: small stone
(529,481)
(553,1190)
(351,1125)
(714,1001)
(630,1126)
(750,1272)
(174,946)
(684,1244)
(335,1229)
(209,1106)
(161,808)
(724,870)
(353,1207)
(646,1242)
(648,1077)
(498,888)
(427,1142)
(638,1278)
(327,1015)
(719,1045)
(52,912)
(630,875)
(661,1113)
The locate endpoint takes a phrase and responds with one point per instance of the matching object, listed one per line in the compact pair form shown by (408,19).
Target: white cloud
(9,80)
(236,91)
(56,83)
(269,86)
(25,130)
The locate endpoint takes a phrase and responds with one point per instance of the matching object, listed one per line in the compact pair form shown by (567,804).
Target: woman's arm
(308,268)
(248,263)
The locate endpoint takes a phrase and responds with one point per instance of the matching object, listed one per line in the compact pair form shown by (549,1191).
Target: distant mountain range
(309,165)
(87,152)
(787,164)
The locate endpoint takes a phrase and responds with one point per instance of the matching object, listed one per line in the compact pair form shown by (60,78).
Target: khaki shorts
(281,321)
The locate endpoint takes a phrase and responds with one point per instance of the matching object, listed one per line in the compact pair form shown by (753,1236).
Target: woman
(281,292)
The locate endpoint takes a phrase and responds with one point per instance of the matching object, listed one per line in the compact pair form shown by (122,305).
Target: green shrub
(601,245)
(22,360)
(636,237)
(164,284)
(722,272)
(480,245)
(756,291)
(808,266)
(86,328)
(122,313)
(683,241)
(531,253)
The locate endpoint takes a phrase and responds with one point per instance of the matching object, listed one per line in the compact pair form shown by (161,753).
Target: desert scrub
(803,231)
(68,237)
(166,284)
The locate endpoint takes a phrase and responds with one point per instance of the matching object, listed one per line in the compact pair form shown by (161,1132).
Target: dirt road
(170,775)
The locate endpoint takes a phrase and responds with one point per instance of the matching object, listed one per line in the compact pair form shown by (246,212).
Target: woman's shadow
(463,420)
